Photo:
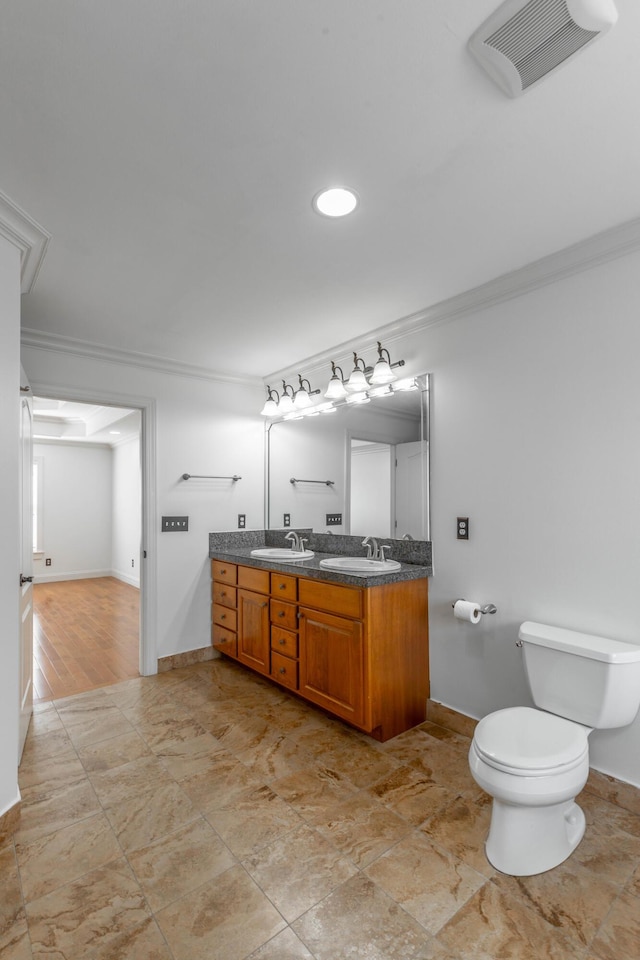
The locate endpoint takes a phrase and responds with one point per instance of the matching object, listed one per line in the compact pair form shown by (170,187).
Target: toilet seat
(530,743)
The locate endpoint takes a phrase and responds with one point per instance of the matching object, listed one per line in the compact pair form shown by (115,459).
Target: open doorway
(87,549)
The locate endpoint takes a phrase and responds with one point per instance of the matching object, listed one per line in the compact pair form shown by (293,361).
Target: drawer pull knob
(282,586)
(281,613)
(282,641)
(223,571)
(223,616)
(283,669)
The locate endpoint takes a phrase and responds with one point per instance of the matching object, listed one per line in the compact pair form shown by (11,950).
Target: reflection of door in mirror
(371,499)
(386,485)
(409,499)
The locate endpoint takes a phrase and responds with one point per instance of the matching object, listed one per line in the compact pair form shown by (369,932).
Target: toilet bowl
(535,761)
(533,764)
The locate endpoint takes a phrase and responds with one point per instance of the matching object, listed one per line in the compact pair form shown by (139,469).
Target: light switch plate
(175,524)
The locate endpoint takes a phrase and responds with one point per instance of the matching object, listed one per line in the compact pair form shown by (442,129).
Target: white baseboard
(82,575)
(125,578)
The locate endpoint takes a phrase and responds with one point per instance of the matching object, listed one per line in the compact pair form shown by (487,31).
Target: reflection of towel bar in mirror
(328,483)
(202,476)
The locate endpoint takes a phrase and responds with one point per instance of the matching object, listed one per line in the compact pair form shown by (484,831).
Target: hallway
(85,635)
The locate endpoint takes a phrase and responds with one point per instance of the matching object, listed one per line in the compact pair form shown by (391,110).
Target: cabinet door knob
(263,604)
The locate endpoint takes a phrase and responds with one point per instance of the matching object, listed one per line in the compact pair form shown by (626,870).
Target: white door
(26,563)
(410,490)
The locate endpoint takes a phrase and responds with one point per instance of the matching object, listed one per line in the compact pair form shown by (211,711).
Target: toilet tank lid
(581,644)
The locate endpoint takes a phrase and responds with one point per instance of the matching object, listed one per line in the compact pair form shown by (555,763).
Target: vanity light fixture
(303,395)
(335,202)
(270,408)
(286,399)
(361,397)
(363,377)
(382,372)
(357,381)
(336,389)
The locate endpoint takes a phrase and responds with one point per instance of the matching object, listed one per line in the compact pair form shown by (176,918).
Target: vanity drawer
(284,642)
(224,640)
(345,601)
(224,594)
(284,614)
(284,670)
(224,616)
(283,587)
(251,578)
(227,572)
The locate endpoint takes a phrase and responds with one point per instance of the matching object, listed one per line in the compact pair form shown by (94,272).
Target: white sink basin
(283,554)
(360,566)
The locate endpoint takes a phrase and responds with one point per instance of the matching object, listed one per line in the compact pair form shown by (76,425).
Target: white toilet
(534,762)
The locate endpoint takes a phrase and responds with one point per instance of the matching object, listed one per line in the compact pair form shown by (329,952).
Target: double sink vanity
(340,630)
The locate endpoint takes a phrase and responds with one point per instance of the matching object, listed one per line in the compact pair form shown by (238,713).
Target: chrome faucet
(375,551)
(295,540)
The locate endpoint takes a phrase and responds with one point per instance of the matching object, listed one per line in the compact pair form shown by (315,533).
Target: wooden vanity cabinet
(359,653)
(332,663)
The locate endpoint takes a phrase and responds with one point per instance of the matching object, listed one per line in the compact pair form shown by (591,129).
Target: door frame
(148,646)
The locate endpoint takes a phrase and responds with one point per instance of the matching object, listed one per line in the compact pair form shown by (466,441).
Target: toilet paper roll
(467,610)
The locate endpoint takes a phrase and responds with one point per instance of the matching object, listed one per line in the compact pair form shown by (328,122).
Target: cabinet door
(332,672)
(253,630)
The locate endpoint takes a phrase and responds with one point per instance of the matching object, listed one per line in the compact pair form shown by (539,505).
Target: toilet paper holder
(487,608)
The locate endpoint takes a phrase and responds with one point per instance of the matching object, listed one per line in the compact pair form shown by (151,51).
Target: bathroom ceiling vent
(524,40)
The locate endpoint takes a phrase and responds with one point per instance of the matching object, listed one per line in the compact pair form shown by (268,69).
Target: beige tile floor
(205,815)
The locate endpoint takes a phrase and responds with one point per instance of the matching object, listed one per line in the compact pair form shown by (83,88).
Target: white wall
(9,542)
(126,532)
(77,511)
(202,426)
(536,437)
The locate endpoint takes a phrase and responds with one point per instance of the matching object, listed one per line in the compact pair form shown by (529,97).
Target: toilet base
(523,841)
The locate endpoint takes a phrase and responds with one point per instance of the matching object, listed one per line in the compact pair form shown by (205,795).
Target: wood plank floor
(85,635)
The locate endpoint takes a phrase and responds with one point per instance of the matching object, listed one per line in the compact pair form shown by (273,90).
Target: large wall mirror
(367,464)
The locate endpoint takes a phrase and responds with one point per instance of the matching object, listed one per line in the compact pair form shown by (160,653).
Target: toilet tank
(592,680)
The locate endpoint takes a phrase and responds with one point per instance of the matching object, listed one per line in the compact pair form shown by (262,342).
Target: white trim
(12,803)
(80,575)
(148,565)
(79,442)
(592,252)
(28,236)
(56,343)
(125,578)
(37,460)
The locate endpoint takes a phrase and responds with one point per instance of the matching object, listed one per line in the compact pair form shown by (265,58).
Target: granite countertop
(237,547)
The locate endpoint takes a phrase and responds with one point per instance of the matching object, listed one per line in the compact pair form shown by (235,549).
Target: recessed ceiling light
(114,433)
(335,202)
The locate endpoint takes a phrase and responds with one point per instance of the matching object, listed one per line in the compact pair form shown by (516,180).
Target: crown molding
(28,236)
(585,255)
(56,343)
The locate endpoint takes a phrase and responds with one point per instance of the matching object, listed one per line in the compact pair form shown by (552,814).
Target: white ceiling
(172,150)
(70,422)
